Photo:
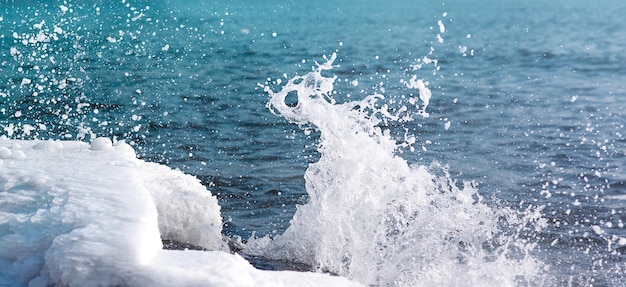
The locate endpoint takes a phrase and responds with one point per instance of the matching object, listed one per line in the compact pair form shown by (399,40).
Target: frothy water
(377,219)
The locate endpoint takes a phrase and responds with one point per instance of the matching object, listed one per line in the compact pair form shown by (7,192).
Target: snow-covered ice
(78,214)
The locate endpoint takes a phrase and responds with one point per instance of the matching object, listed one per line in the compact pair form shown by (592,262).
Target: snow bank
(75,214)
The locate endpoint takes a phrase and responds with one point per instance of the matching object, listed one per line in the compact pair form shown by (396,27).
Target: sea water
(511,172)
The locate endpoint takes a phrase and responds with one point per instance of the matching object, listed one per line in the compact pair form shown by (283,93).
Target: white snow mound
(75,214)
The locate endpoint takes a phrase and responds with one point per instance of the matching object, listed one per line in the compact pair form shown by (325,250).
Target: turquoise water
(527,100)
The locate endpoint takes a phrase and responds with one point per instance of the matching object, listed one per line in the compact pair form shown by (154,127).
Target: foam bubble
(5,152)
(101,143)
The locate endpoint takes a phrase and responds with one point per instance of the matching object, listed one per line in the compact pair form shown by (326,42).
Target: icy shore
(78,214)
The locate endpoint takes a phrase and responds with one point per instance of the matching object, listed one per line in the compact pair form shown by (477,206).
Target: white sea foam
(375,218)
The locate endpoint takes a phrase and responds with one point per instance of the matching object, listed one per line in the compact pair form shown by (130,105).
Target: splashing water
(375,218)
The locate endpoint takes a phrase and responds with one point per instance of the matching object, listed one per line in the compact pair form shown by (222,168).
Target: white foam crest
(374,218)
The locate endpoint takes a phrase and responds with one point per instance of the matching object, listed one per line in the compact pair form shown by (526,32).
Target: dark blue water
(528,100)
